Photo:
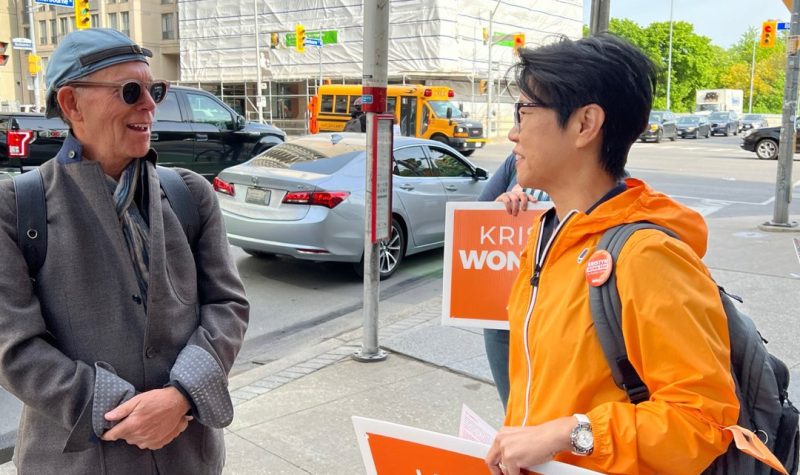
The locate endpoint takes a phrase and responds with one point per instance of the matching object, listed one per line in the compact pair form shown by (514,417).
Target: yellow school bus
(421,111)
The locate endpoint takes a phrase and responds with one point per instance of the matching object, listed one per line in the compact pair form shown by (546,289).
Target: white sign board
(380,181)
(22,44)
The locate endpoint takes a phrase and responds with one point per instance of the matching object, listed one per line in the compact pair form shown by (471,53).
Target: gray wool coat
(82,342)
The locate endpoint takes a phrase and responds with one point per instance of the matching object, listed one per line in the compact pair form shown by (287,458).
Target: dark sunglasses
(130,91)
(520,105)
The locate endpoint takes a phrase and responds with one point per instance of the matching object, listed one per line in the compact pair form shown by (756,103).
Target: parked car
(765,141)
(724,123)
(695,126)
(753,121)
(305,198)
(661,125)
(192,129)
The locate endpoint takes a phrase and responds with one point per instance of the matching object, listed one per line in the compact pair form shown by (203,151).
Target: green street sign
(329,37)
(504,39)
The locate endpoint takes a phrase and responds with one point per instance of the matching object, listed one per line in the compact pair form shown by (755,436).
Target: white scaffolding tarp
(432,37)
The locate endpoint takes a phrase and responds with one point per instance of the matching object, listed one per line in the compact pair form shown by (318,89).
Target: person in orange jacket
(583,104)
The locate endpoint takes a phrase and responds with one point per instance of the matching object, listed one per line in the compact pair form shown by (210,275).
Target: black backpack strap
(607,313)
(31,220)
(181,201)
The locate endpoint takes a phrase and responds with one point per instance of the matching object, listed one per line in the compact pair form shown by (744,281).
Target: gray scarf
(134,227)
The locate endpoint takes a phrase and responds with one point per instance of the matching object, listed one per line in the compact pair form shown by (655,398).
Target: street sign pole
(375,80)
(36,99)
(783,182)
(259,97)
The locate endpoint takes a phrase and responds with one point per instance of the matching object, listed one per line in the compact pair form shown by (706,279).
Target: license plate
(257,196)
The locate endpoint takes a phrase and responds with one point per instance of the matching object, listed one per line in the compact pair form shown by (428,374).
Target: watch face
(584,439)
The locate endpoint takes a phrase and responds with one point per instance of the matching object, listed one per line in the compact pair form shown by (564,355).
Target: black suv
(725,123)
(192,129)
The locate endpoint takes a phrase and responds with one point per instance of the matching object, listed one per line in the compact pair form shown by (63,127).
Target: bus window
(391,105)
(341,105)
(440,109)
(352,100)
(408,116)
(327,103)
(426,119)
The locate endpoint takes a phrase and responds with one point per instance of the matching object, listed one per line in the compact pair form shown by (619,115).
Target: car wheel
(696,134)
(674,137)
(727,131)
(767,149)
(708,134)
(259,254)
(390,253)
(659,135)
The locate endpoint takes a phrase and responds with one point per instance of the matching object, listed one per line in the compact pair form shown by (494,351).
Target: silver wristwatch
(581,437)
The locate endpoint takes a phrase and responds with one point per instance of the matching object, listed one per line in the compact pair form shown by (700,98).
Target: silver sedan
(305,198)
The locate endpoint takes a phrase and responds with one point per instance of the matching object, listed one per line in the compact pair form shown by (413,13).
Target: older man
(120,347)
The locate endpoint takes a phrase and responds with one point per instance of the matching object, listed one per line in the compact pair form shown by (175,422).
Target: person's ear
(588,123)
(68,103)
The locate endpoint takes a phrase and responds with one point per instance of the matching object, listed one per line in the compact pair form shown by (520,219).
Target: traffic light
(274,40)
(300,38)
(3,55)
(768,30)
(482,86)
(519,42)
(485,36)
(34,65)
(83,19)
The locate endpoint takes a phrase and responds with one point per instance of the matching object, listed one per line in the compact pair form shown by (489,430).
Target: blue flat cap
(83,52)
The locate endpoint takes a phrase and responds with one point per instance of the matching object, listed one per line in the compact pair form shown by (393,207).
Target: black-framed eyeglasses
(131,90)
(520,105)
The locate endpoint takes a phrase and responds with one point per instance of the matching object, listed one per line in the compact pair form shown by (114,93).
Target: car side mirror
(480,174)
(240,122)
(466,115)
(449,113)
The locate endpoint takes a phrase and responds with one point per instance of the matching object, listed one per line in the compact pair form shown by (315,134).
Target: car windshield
(656,116)
(688,120)
(752,117)
(315,155)
(718,116)
(440,108)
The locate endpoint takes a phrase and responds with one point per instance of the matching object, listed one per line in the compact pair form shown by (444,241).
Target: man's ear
(589,121)
(68,102)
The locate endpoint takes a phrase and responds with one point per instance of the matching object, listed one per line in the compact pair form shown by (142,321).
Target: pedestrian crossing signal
(768,31)
(3,56)
(83,18)
(482,86)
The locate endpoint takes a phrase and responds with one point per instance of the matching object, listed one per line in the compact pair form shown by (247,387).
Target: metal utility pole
(598,23)
(752,73)
(490,73)
(669,58)
(783,183)
(259,97)
(37,100)
(376,71)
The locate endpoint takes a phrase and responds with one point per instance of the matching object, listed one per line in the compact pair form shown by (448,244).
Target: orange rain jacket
(675,332)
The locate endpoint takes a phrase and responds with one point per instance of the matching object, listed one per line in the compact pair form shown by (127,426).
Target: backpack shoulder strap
(606,312)
(31,220)
(181,201)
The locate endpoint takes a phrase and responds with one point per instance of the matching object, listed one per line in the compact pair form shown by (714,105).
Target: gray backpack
(762,380)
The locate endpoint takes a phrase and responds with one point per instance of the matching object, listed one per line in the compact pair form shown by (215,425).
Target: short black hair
(603,70)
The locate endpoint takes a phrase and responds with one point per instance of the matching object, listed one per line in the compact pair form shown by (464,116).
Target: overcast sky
(723,21)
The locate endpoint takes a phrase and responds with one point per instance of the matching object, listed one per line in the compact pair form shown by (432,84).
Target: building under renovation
(430,42)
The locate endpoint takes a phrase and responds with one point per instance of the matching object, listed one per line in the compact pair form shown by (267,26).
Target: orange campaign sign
(393,449)
(483,244)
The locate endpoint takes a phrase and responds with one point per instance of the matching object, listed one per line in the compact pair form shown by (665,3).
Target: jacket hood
(639,202)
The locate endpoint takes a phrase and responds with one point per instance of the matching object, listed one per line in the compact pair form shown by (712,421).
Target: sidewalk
(293,415)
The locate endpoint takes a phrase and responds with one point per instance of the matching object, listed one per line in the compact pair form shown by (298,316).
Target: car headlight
(691,129)
(747,132)
(653,127)
(460,130)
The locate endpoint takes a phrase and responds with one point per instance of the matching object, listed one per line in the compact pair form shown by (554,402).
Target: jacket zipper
(541,255)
